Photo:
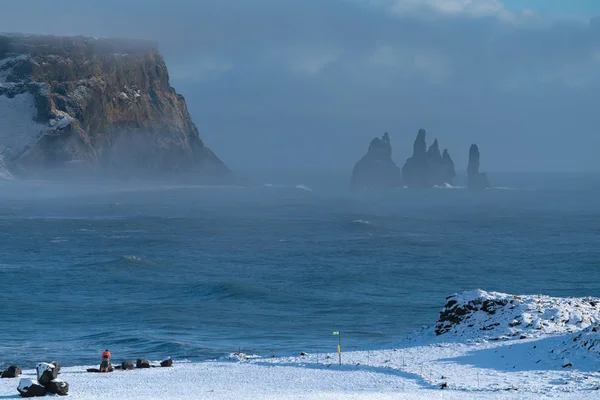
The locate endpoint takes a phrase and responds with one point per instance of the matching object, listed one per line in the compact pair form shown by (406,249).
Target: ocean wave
(502,188)
(304,187)
(118,237)
(133,259)
(59,240)
(362,222)
(448,186)
(273,185)
(226,290)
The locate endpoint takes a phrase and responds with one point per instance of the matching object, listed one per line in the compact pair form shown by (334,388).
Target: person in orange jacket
(106,366)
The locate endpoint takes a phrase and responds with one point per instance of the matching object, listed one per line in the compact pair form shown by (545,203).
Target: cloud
(280,83)
(473,7)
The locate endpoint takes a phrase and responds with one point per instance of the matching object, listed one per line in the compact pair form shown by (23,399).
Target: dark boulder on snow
(142,363)
(377,168)
(11,372)
(427,168)
(58,387)
(127,365)
(56,365)
(475,179)
(46,373)
(30,388)
(167,363)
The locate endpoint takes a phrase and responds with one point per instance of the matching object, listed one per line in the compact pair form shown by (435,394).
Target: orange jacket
(106,354)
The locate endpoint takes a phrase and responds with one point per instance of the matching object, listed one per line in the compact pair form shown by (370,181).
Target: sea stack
(476,179)
(377,168)
(95,106)
(427,168)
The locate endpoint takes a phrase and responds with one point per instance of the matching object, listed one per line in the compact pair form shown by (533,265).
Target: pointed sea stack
(427,167)
(376,168)
(476,179)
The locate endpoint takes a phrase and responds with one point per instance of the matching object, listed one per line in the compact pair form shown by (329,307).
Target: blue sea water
(156,270)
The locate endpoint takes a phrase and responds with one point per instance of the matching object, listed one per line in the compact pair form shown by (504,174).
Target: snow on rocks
(479,314)
(56,386)
(30,388)
(46,373)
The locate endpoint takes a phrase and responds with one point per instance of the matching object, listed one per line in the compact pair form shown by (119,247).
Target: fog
(306,84)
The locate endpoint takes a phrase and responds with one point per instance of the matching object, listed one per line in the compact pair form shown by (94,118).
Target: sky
(306,84)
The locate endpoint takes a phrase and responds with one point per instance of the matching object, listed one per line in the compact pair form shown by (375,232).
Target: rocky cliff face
(376,168)
(476,179)
(95,105)
(427,167)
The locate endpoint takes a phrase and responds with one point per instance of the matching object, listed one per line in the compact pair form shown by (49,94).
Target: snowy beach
(485,346)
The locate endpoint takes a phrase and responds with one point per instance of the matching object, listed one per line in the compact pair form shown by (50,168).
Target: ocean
(154,270)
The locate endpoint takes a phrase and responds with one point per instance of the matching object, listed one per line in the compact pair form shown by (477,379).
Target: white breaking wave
(362,221)
(304,187)
(502,188)
(447,186)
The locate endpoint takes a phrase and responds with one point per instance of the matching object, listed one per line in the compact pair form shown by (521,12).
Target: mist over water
(152,270)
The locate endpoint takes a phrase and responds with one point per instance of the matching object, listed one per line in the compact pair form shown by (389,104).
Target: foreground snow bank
(548,348)
(256,380)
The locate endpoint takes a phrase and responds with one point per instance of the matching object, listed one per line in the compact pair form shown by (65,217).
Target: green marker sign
(336,333)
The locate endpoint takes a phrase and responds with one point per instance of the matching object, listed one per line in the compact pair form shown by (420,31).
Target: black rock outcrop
(127,365)
(475,179)
(58,387)
(140,363)
(46,373)
(377,168)
(427,167)
(11,372)
(30,388)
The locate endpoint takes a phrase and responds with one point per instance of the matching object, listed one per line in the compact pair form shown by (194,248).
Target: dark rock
(377,168)
(92,370)
(11,372)
(427,167)
(444,385)
(142,363)
(58,387)
(415,172)
(167,363)
(455,313)
(448,170)
(30,388)
(108,108)
(46,373)
(127,365)
(302,354)
(475,179)
(567,365)
(57,366)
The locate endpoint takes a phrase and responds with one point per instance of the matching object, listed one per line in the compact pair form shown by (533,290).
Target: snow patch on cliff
(17,125)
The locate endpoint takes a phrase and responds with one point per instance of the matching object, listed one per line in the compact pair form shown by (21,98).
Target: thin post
(340,347)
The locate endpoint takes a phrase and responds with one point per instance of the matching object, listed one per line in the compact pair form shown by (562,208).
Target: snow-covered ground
(493,346)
